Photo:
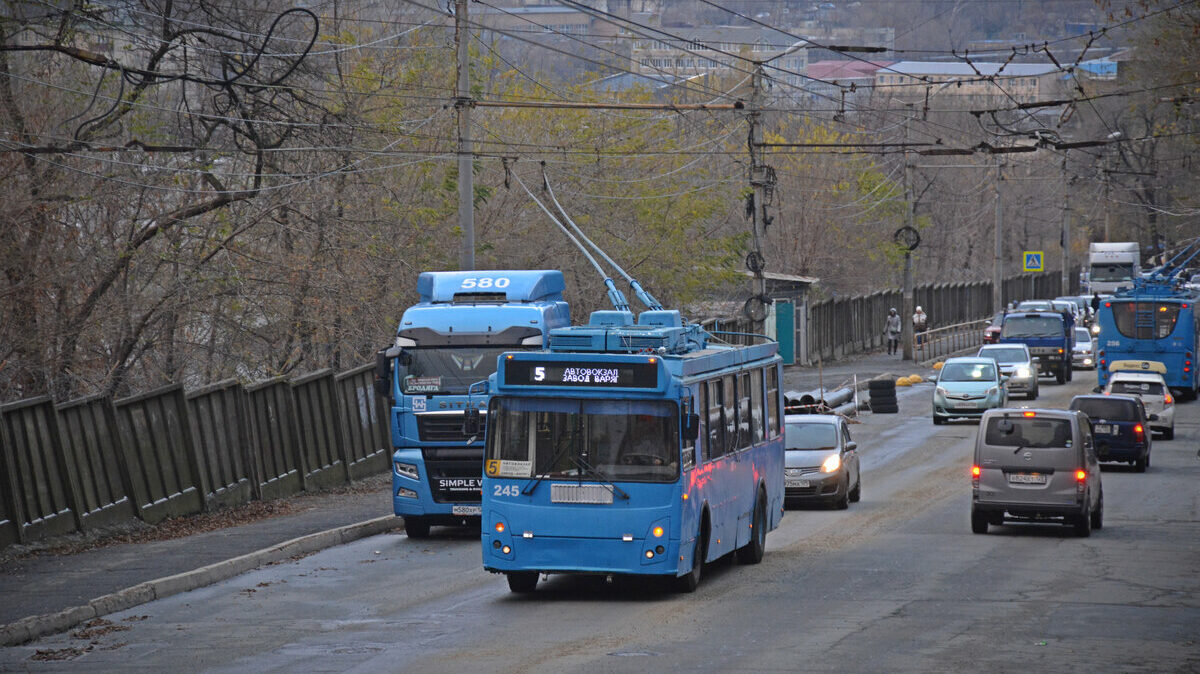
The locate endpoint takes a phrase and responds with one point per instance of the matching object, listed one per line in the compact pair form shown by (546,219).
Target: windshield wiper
(528,488)
(595,472)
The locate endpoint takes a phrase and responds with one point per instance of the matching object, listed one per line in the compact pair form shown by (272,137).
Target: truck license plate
(466,510)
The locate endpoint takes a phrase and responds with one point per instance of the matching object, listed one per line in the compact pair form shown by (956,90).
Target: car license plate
(1102,428)
(965,406)
(1027,478)
(466,510)
(793,483)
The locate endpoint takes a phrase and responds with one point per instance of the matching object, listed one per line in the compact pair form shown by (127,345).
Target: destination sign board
(580,373)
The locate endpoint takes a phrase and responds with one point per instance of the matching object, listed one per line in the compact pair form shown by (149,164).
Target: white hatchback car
(1152,389)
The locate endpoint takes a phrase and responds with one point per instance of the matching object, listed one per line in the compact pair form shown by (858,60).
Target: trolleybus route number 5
(582,375)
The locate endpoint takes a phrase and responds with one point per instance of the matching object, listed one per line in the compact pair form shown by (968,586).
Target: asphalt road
(896,583)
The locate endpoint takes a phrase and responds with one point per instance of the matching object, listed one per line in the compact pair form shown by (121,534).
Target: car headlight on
(1096,329)
(406,470)
(831,464)
(1022,372)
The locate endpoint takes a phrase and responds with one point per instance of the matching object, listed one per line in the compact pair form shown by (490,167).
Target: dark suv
(1120,427)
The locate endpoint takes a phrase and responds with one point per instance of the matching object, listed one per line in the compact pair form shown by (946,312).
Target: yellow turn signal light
(499,527)
(658,532)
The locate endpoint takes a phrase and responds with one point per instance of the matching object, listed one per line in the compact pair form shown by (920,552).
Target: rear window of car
(1138,387)
(1112,410)
(1028,432)
(1004,355)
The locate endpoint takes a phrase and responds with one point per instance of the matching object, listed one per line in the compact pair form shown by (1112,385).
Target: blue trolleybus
(631,449)
(446,342)
(1153,321)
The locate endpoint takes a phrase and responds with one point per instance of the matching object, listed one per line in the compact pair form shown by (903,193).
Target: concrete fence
(835,328)
(165,453)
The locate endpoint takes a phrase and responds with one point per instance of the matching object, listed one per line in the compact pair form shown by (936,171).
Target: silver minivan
(1036,465)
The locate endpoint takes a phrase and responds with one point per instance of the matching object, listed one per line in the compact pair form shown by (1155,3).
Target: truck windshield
(448,369)
(621,440)
(1112,272)
(1032,326)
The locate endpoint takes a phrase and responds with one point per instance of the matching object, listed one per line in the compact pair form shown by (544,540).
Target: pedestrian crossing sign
(1034,261)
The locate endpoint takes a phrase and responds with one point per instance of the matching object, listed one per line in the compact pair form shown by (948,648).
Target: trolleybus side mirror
(691,427)
(471,423)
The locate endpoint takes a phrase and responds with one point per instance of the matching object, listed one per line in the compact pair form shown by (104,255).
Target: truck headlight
(407,470)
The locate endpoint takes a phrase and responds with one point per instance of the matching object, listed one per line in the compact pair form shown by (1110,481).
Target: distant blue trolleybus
(631,449)
(1153,321)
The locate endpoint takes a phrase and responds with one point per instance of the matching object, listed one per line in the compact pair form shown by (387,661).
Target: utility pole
(998,250)
(907,304)
(462,104)
(755,261)
(1065,237)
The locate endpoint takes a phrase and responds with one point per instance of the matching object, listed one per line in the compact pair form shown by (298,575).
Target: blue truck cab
(1050,336)
(446,342)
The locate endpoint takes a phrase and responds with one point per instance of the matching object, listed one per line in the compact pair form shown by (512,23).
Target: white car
(1152,389)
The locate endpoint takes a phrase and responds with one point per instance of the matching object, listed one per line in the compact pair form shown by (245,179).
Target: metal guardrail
(948,340)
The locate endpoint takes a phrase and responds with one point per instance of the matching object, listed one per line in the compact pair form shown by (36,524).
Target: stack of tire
(883,396)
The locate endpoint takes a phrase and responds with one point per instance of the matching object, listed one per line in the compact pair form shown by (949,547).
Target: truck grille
(446,426)
(454,474)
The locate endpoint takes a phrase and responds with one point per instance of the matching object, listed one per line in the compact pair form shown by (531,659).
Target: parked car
(1152,389)
(1017,364)
(820,460)
(967,387)
(991,333)
(1119,427)
(1083,355)
(1036,466)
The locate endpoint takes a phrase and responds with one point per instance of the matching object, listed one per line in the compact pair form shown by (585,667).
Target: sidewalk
(59,590)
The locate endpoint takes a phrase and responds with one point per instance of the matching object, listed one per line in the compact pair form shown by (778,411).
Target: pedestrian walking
(1095,303)
(892,330)
(920,322)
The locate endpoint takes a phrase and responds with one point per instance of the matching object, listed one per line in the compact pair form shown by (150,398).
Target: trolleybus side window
(716,427)
(745,425)
(729,414)
(772,402)
(756,404)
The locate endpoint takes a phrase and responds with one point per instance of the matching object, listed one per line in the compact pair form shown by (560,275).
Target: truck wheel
(1060,376)
(416,527)
(1070,371)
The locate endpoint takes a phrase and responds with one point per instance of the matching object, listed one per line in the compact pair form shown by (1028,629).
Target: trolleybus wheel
(416,527)
(691,580)
(522,582)
(752,551)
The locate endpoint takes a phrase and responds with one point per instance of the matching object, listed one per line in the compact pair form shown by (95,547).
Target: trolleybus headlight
(831,464)
(649,554)
(506,549)
(407,470)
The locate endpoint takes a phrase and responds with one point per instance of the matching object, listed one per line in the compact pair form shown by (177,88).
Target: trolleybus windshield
(584,440)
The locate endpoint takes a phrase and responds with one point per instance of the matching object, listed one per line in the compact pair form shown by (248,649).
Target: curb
(34,627)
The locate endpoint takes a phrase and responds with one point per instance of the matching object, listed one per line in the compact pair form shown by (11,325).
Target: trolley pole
(462,104)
